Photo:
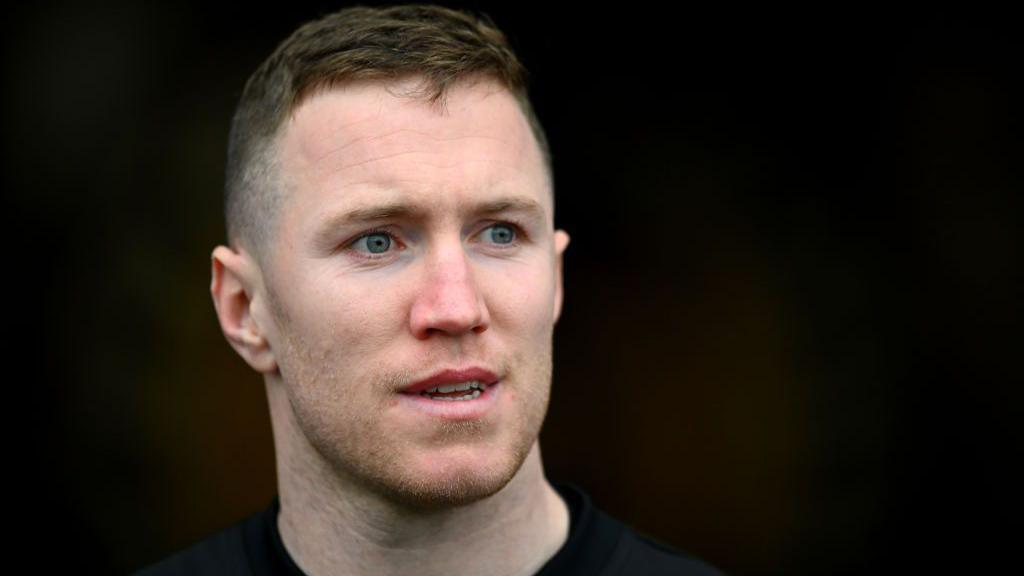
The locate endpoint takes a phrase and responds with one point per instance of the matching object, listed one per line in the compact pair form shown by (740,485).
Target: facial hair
(319,394)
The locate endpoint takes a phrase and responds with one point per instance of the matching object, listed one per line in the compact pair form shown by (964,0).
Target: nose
(449,301)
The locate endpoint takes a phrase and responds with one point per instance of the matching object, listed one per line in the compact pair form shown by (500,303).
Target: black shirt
(598,545)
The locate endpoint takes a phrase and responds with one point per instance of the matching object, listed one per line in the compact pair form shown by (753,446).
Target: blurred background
(792,295)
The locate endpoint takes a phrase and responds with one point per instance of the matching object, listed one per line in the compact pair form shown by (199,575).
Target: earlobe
(561,243)
(234,285)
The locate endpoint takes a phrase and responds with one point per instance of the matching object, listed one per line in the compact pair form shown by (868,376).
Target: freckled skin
(346,333)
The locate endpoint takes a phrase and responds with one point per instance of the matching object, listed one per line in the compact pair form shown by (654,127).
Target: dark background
(791,338)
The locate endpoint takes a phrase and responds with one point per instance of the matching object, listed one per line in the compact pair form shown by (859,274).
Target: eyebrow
(401,210)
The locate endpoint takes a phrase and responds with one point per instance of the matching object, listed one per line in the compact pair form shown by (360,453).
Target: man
(394,274)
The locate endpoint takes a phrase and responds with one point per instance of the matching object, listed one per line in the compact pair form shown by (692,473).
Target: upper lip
(451,376)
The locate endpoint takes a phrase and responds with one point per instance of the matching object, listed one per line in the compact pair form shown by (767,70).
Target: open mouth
(455,394)
(472,400)
(461,392)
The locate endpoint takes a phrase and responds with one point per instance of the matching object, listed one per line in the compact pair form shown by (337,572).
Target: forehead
(364,141)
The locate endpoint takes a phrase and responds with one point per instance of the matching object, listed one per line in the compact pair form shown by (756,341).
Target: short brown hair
(359,43)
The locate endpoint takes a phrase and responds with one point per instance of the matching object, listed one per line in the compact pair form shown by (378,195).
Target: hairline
(268,156)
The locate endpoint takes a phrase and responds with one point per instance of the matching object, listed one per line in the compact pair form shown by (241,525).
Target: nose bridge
(449,299)
(448,263)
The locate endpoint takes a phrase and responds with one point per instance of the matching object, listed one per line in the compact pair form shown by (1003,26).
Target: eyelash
(517,228)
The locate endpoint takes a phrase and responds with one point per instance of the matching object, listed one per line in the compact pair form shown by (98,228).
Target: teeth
(475,394)
(473,384)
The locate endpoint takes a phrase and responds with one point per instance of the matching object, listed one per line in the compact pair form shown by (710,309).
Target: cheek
(523,300)
(335,329)
(351,312)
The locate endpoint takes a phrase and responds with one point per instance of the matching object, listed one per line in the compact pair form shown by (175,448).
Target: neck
(331,529)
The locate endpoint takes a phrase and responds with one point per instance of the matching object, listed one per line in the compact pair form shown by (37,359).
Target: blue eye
(501,233)
(375,243)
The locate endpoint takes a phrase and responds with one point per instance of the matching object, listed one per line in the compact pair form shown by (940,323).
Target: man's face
(411,242)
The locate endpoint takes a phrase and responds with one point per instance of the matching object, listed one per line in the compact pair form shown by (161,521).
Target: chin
(454,480)
(446,493)
(446,478)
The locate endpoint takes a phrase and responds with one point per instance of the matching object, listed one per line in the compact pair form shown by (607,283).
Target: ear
(236,280)
(561,242)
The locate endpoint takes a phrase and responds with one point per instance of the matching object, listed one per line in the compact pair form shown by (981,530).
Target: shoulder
(602,544)
(638,553)
(645,555)
(223,553)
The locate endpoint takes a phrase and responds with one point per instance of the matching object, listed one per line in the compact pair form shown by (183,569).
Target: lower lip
(454,409)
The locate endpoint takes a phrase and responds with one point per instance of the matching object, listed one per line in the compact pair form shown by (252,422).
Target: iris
(502,234)
(378,243)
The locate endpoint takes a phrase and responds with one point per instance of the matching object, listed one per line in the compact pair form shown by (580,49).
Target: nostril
(433,318)
(449,300)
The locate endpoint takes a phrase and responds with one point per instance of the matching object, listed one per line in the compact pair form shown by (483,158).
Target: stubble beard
(352,461)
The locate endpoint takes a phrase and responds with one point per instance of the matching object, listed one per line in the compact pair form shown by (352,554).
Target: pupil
(502,234)
(378,243)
